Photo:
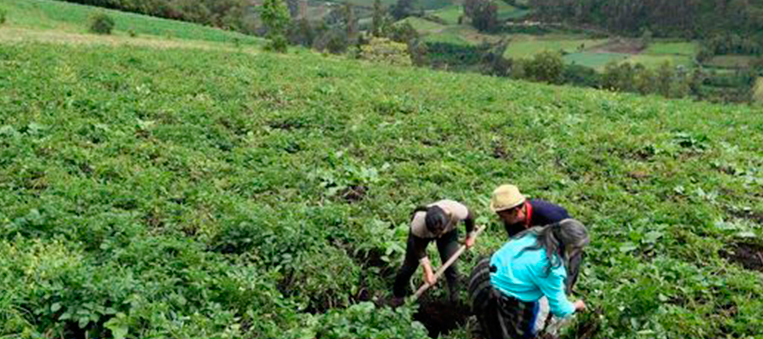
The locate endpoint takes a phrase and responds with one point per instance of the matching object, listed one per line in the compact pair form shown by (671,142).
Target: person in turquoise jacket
(505,288)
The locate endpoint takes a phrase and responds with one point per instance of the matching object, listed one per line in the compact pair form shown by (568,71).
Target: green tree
(293,7)
(581,76)
(546,67)
(377,22)
(646,38)
(301,32)
(403,32)
(351,22)
(695,82)
(644,80)
(619,77)
(664,79)
(275,17)
(738,12)
(402,9)
(483,14)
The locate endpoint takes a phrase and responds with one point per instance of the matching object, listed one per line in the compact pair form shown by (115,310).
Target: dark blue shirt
(543,213)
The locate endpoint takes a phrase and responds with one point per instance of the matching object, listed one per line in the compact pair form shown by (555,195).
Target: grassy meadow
(45,15)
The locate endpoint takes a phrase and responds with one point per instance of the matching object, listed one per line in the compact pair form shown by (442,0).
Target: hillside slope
(32,16)
(198,194)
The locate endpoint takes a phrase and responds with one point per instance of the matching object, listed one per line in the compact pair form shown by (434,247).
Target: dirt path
(620,46)
(20,35)
(747,254)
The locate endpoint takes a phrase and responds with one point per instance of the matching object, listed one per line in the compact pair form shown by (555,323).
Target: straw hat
(506,197)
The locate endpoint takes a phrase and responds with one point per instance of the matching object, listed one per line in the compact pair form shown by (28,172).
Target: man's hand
(469,242)
(429,278)
(428,274)
(579,305)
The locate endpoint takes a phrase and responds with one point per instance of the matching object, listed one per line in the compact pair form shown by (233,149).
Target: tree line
(666,80)
(691,19)
(238,15)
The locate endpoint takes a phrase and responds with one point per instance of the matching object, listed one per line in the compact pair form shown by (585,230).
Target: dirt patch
(286,125)
(587,327)
(754,216)
(499,152)
(427,142)
(353,193)
(440,317)
(153,219)
(729,311)
(621,46)
(638,175)
(58,37)
(373,258)
(749,255)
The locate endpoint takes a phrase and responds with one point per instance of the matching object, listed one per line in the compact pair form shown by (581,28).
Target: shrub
(364,320)
(483,14)
(101,23)
(546,67)
(580,76)
(312,278)
(386,51)
(277,43)
(131,33)
(275,16)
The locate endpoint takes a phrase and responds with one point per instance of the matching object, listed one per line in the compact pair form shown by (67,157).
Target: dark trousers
(500,316)
(447,245)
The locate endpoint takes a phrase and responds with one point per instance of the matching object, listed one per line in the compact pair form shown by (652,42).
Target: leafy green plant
(688,141)
(275,16)
(346,177)
(367,321)
(101,23)
(142,197)
(386,51)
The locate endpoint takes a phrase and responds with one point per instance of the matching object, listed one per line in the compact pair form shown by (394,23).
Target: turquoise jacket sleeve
(553,288)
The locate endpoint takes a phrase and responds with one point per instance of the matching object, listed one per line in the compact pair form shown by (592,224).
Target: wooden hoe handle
(445,266)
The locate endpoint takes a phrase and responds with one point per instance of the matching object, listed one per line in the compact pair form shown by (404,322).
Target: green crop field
(366,3)
(673,48)
(450,14)
(434,4)
(421,25)
(729,61)
(506,11)
(758,90)
(448,37)
(654,61)
(460,35)
(595,60)
(190,193)
(426,4)
(528,48)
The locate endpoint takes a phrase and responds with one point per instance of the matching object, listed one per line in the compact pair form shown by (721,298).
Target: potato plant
(150,193)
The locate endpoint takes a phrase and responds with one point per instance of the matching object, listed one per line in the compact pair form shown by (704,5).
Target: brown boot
(396,302)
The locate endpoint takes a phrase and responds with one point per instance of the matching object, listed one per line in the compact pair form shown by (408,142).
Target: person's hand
(579,305)
(429,277)
(469,242)
(428,273)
